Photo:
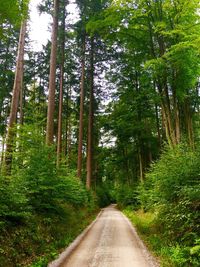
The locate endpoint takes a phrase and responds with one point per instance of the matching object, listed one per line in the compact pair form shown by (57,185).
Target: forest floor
(111,241)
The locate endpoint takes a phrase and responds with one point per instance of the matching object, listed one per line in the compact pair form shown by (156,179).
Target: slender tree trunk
(59,143)
(141,165)
(52,77)
(176,111)
(80,139)
(140,141)
(21,118)
(189,124)
(15,97)
(2,151)
(69,140)
(69,128)
(158,126)
(166,112)
(90,120)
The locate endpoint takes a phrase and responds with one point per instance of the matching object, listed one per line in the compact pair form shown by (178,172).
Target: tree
(15,97)
(62,59)
(90,144)
(82,87)
(52,77)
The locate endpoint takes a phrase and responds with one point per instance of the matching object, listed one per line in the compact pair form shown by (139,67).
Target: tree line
(112,99)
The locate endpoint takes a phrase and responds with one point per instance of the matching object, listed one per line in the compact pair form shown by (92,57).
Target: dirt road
(111,242)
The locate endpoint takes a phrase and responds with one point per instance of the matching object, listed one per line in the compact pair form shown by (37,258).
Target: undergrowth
(170,197)
(42,207)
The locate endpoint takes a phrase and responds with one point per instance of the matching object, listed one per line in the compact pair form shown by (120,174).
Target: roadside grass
(43,238)
(168,254)
(64,234)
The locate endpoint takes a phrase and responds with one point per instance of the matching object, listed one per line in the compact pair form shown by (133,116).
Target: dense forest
(107,112)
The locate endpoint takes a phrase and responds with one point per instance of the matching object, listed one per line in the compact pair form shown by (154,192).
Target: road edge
(69,250)
(145,251)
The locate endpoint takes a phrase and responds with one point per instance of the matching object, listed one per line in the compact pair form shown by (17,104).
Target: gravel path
(110,242)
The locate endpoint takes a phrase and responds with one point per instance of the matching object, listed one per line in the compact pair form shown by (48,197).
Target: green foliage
(14,207)
(41,206)
(126,195)
(13,11)
(172,191)
(105,194)
(169,253)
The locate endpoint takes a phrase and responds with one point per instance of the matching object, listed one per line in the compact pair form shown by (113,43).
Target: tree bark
(158,126)
(141,165)
(21,119)
(189,124)
(2,152)
(80,139)
(90,120)
(52,77)
(15,97)
(59,142)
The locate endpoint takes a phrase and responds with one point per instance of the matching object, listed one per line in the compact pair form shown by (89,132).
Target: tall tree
(82,88)
(52,77)
(90,143)
(15,97)
(62,59)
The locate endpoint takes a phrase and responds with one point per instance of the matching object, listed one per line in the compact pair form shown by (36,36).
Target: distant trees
(156,75)
(102,99)
(123,72)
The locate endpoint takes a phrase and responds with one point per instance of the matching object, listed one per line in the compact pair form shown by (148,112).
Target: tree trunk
(21,118)
(59,143)
(158,126)
(80,139)
(90,120)
(69,128)
(52,77)
(141,165)
(2,152)
(176,111)
(189,124)
(15,97)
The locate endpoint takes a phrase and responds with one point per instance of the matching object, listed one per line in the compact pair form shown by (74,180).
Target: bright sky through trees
(39,32)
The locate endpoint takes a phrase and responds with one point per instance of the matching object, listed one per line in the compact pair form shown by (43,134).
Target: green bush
(14,207)
(172,191)
(126,195)
(104,195)
(42,208)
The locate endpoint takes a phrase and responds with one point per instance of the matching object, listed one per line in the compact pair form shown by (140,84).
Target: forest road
(111,242)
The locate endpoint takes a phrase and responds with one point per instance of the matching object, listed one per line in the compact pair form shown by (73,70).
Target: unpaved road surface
(111,242)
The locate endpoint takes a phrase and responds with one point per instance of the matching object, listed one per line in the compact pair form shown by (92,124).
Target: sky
(39,24)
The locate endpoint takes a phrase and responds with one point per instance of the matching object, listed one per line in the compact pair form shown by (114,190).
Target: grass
(43,238)
(169,254)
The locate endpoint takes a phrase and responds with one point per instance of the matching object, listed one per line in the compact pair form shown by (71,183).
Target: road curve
(111,242)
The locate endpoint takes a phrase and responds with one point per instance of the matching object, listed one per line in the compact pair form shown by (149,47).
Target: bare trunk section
(189,124)
(2,152)
(59,136)
(158,126)
(141,165)
(52,77)
(15,97)
(166,113)
(21,119)
(176,111)
(59,142)
(80,139)
(90,119)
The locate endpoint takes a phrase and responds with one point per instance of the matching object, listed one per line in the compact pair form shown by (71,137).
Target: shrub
(126,195)
(172,190)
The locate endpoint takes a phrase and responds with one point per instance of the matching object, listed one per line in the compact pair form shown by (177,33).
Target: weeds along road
(110,242)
